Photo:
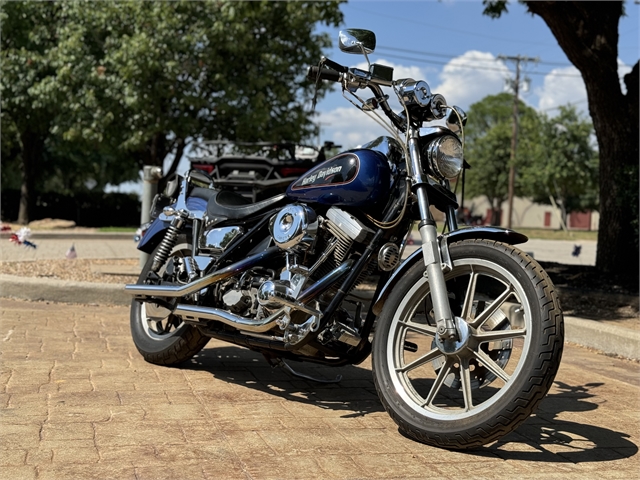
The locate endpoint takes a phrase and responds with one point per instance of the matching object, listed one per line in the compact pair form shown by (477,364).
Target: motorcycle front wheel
(161,337)
(472,391)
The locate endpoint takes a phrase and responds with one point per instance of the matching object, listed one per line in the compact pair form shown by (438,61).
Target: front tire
(470,393)
(160,337)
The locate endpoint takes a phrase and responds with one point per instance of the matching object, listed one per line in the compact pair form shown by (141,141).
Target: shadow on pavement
(546,438)
(355,394)
(542,438)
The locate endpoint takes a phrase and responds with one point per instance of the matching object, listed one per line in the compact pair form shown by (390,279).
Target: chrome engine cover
(294,225)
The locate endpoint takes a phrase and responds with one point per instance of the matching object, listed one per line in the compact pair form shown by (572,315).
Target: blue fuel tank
(357,178)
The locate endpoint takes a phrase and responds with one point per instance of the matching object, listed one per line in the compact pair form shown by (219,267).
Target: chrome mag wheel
(471,391)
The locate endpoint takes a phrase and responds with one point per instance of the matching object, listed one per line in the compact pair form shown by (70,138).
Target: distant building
(532,215)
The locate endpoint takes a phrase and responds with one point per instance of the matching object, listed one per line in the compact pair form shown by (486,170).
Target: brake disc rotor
(498,351)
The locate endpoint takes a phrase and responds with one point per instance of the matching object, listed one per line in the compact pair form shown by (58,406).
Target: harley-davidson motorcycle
(466,334)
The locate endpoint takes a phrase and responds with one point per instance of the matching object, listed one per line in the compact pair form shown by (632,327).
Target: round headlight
(445,156)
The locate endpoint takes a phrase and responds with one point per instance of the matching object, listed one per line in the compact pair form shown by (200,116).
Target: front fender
(488,233)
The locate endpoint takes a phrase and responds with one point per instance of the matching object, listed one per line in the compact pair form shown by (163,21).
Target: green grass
(118,229)
(547,234)
(540,233)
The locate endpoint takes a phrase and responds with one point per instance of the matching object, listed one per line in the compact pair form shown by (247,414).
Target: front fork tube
(433,262)
(431,249)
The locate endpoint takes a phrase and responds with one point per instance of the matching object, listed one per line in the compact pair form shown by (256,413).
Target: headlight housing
(445,156)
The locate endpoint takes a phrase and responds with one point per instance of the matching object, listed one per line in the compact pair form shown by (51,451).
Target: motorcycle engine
(315,247)
(239,295)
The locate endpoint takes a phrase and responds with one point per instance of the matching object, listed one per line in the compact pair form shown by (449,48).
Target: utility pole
(514,136)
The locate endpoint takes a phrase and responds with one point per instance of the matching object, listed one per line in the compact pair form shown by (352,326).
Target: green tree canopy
(563,163)
(107,87)
(488,147)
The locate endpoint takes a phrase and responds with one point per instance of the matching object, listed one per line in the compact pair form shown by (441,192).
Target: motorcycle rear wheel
(472,392)
(164,339)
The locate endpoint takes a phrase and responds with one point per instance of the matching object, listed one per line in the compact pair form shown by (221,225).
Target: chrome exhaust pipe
(195,313)
(142,291)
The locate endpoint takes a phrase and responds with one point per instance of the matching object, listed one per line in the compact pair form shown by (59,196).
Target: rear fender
(488,233)
(153,235)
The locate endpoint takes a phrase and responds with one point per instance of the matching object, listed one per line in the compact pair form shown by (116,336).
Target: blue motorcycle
(466,333)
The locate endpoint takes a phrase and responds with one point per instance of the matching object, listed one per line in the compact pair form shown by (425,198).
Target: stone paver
(78,401)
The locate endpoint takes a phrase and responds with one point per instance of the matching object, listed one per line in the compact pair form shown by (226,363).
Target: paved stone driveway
(78,401)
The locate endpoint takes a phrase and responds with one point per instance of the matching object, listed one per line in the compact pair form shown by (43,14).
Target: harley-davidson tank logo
(338,170)
(321,174)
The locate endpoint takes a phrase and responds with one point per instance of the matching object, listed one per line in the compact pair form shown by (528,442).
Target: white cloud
(399,71)
(349,127)
(565,85)
(560,87)
(463,86)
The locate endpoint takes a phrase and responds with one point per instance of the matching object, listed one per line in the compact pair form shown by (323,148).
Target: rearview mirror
(354,40)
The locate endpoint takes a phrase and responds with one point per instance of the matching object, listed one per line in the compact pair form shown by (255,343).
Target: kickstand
(278,362)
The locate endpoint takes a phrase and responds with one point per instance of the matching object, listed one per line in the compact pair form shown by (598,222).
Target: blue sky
(452,46)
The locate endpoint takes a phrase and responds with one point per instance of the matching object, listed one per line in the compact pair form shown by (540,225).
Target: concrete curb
(28,288)
(610,339)
(62,235)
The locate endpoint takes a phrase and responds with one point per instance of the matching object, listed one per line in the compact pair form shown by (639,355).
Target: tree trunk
(496,211)
(588,34)
(32,149)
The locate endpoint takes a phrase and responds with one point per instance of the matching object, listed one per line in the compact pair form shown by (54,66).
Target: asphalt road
(78,401)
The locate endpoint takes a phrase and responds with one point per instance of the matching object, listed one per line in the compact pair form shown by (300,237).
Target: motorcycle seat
(203,193)
(233,206)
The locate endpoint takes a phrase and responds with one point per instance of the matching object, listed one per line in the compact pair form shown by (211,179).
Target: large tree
(117,85)
(28,102)
(587,32)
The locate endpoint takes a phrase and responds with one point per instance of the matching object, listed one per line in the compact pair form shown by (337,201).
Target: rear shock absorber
(167,244)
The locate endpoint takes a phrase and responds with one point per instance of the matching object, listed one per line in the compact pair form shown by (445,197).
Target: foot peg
(278,362)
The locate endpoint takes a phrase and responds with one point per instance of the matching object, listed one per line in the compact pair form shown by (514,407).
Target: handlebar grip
(334,65)
(324,73)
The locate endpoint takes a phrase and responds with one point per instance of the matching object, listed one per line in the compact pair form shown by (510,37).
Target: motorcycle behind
(466,334)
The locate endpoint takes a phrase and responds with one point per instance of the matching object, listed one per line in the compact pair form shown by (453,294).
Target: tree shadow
(546,438)
(542,437)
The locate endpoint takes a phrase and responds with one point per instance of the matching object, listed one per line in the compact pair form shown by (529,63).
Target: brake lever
(373,103)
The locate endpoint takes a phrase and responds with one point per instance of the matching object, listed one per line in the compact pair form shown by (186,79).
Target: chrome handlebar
(411,92)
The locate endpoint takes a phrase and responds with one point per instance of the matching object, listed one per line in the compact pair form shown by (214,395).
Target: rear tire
(164,339)
(474,392)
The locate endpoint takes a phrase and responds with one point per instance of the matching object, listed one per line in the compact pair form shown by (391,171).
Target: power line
(449,55)
(472,66)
